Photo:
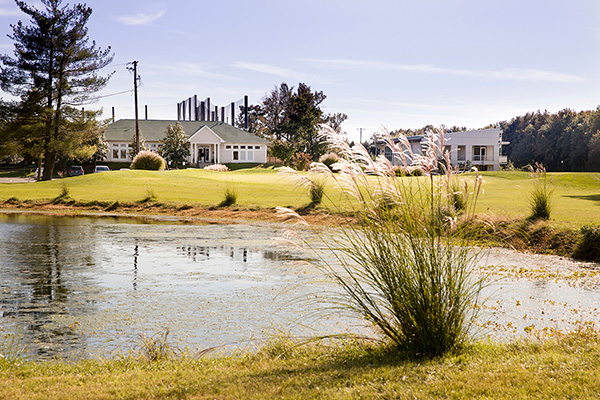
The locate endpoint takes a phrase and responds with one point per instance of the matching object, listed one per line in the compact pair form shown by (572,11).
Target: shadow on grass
(590,197)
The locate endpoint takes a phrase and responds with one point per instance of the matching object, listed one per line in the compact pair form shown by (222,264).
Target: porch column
(218,147)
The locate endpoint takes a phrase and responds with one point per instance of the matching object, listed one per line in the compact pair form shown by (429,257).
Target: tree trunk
(49,160)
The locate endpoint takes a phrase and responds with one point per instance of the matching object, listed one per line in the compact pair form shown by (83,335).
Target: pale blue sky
(393,64)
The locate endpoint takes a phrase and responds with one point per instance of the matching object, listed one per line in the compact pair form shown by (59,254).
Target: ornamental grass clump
(229,197)
(148,160)
(314,182)
(400,264)
(541,195)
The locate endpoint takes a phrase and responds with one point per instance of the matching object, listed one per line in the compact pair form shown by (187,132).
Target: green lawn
(576,197)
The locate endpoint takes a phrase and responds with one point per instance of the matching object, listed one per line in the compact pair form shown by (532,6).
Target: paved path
(16,180)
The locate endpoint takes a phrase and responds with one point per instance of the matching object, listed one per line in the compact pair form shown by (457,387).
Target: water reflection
(202,253)
(74,286)
(71,286)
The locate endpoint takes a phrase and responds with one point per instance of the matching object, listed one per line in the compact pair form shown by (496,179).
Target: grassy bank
(576,199)
(504,201)
(562,368)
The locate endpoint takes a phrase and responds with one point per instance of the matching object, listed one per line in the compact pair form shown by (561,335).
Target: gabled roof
(154,130)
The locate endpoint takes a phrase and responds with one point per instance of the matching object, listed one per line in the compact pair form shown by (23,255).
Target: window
(115,153)
(257,147)
(479,153)
(228,147)
(236,155)
(235,147)
(242,147)
(123,153)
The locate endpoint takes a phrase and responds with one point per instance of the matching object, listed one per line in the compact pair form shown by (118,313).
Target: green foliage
(405,269)
(301,161)
(290,120)
(148,160)
(316,190)
(175,146)
(541,195)
(54,65)
(230,197)
(588,247)
(563,141)
(133,146)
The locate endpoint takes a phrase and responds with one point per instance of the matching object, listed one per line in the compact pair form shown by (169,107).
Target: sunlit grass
(562,368)
(576,197)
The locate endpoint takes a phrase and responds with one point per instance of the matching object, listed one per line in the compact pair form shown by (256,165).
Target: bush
(217,167)
(148,160)
(403,170)
(588,247)
(329,159)
(301,161)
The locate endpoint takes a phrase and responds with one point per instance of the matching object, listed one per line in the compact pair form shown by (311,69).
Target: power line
(115,94)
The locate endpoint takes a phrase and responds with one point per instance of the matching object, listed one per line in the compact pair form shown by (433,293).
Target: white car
(101,168)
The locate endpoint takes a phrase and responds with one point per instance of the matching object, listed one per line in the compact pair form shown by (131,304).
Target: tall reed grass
(403,263)
(541,195)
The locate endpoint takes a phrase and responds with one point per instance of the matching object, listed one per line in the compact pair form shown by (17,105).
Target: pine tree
(53,69)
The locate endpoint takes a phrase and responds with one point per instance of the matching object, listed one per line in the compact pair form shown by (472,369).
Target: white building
(479,148)
(210,142)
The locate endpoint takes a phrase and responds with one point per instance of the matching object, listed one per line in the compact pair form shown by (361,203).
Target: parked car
(76,170)
(101,168)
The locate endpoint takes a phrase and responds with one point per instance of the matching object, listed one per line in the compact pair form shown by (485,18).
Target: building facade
(478,148)
(211,142)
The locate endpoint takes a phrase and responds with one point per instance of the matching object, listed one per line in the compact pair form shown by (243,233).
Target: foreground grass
(562,368)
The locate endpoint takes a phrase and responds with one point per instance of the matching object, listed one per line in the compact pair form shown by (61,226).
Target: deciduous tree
(175,145)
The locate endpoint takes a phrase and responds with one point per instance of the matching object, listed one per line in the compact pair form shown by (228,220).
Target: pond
(75,287)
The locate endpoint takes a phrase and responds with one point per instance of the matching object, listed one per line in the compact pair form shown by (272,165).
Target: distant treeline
(564,141)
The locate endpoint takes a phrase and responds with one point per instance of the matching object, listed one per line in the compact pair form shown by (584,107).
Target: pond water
(76,287)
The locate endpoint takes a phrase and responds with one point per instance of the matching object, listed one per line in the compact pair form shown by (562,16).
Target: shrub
(217,167)
(401,267)
(541,194)
(301,161)
(329,159)
(588,247)
(148,160)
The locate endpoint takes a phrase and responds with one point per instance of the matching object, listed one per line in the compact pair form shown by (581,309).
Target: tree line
(563,141)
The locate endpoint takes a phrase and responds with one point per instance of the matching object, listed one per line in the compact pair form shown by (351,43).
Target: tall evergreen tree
(53,69)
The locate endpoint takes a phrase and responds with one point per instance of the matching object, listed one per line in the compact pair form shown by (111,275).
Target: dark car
(76,170)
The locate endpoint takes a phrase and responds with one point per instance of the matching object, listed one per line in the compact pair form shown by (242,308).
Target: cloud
(516,74)
(267,69)
(189,69)
(149,15)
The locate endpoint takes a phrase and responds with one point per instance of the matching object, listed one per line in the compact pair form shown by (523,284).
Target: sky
(387,64)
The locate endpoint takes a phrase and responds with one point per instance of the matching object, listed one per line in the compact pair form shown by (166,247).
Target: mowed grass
(576,199)
(559,369)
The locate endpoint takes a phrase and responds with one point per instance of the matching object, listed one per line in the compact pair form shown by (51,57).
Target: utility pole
(360,130)
(135,102)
